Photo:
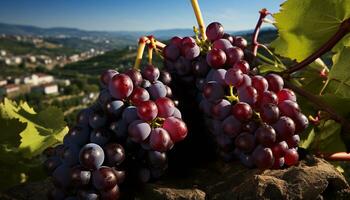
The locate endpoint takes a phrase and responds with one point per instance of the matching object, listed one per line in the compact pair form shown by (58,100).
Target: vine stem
(152,43)
(340,156)
(198,13)
(320,104)
(255,44)
(141,48)
(344,29)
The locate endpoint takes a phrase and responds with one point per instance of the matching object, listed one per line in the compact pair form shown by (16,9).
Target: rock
(313,178)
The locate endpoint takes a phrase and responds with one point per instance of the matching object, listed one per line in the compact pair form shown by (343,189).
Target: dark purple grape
(233,77)
(79,176)
(275,81)
(219,76)
(130,114)
(242,111)
(213,91)
(107,76)
(165,77)
(200,68)
(289,108)
(156,159)
(216,58)
(83,116)
(268,97)
(284,128)
(160,140)
(114,154)
(245,142)
(61,177)
(248,95)
(269,113)
(176,41)
(51,164)
(221,110)
(263,157)
(231,126)
(139,131)
(222,44)
(78,135)
(229,38)
(100,136)
(70,156)
(91,156)
(135,76)
(233,56)
(190,51)
(150,73)
(119,128)
(97,120)
(260,84)
(265,135)
(293,141)
(115,107)
(157,90)
(224,142)
(214,31)
(104,178)
(241,42)
(171,52)
(243,66)
(301,122)
(183,66)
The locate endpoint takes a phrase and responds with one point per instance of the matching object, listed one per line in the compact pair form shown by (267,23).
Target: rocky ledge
(313,178)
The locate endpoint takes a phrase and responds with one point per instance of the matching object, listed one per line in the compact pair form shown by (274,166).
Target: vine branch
(320,104)
(344,29)
(255,44)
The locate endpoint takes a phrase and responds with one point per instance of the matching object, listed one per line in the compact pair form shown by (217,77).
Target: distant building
(3,82)
(38,79)
(64,82)
(8,89)
(50,88)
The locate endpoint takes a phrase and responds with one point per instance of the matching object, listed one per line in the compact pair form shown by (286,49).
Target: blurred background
(52,52)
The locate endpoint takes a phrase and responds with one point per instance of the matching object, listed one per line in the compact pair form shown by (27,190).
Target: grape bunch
(251,117)
(126,133)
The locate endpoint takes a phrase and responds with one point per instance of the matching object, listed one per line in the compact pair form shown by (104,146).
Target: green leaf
(264,69)
(340,104)
(304,26)
(325,138)
(24,135)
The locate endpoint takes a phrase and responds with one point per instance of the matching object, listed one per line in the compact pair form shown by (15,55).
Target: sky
(133,15)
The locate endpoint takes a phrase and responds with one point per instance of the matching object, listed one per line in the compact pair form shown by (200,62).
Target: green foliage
(25,135)
(304,26)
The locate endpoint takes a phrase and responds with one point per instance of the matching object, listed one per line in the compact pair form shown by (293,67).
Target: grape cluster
(251,117)
(126,133)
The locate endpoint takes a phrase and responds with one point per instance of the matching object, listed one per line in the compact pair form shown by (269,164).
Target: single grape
(265,135)
(229,38)
(106,76)
(183,66)
(243,66)
(231,126)
(289,108)
(275,81)
(221,110)
(279,149)
(114,154)
(245,142)
(157,90)
(214,31)
(241,42)
(150,73)
(169,92)
(222,44)
(61,176)
(91,156)
(269,113)
(100,136)
(120,175)
(79,176)
(286,94)
(242,111)
(176,41)
(268,97)
(216,58)
(260,84)
(293,141)
(219,76)
(139,131)
(130,114)
(104,97)
(200,67)
(51,164)
(171,52)
(250,126)
(147,110)
(246,81)
(160,140)
(115,107)
(120,129)
(157,159)
(111,194)
(166,107)
(248,95)
(104,178)
(78,135)
(97,120)
(165,77)
(301,122)
(187,40)
(291,157)
(233,77)
(176,128)
(70,156)
(213,91)
(233,55)
(135,76)
(284,128)
(120,86)
(190,51)
(139,95)
(263,157)
(83,116)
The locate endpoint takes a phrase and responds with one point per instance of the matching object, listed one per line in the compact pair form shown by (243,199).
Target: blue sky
(143,15)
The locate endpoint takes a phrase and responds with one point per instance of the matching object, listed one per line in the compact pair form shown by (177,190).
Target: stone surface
(313,178)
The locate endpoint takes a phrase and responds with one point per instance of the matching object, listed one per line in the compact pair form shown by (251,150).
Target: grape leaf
(304,26)
(325,138)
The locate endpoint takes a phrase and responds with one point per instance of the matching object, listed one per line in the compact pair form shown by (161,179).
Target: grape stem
(255,44)
(198,13)
(151,43)
(320,104)
(344,29)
